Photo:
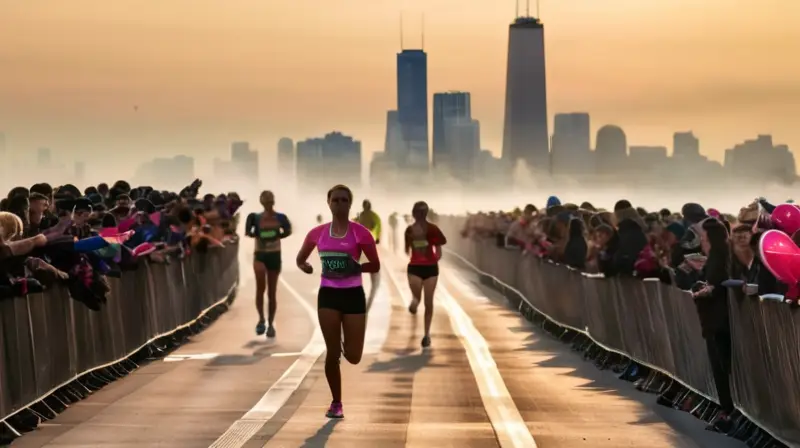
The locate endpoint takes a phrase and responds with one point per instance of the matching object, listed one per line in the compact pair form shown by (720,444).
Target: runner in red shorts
(423,242)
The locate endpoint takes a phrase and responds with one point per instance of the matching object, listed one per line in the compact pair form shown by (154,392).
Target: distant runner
(268,228)
(393,226)
(372,222)
(423,242)
(341,302)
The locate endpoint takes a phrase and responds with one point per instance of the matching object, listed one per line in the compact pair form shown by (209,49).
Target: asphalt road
(490,379)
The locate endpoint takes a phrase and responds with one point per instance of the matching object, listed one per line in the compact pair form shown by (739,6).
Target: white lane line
(508,424)
(378,322)
(190,356)
(242,430)
(285,355)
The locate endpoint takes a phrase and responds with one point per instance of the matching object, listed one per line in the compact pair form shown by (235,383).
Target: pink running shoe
(335,411)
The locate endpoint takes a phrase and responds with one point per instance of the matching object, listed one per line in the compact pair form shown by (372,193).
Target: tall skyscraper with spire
(412,104)
(525,134)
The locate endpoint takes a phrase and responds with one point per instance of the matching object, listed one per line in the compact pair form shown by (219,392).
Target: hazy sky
(204,73)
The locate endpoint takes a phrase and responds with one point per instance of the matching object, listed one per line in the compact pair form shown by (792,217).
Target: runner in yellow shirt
(372,222)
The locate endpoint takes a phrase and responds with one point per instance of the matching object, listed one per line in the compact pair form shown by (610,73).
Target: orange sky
(206,72)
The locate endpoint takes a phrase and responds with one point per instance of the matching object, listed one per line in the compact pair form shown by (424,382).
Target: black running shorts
(423,271)
(345,300)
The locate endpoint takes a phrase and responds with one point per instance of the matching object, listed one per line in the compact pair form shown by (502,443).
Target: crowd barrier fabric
(657,325)
(49,339)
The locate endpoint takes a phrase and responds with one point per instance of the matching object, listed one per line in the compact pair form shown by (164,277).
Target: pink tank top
(336,253)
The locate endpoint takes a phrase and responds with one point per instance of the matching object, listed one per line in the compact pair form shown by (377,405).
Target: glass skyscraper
(412,106)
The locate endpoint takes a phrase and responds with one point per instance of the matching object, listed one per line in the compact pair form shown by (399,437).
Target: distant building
(394,145)
(80,172)
(2,145)
(412,107)
(759,159)
(174,172)
(525,132)
(44,158)
(245,161)
(647,159)
(286,157)
(571,145)
(333,159)
(463,137)
(448,106)
(611,150)
(685,145)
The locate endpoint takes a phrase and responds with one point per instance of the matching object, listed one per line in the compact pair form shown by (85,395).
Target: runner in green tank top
(268,228)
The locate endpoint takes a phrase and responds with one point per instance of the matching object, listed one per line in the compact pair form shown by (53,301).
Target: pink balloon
(786,217)
(781,256)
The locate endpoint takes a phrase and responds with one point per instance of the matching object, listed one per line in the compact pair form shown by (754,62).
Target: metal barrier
(49,340)
(657,326)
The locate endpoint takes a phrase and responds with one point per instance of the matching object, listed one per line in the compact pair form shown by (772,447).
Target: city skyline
(722,99)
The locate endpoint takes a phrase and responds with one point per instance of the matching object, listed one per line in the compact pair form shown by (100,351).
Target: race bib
(339,265)
(269,235)
(419,245)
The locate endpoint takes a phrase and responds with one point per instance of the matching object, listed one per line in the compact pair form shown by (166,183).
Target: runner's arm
(286,225)
(377,227)
(373,264)
(249,224)
(305,250)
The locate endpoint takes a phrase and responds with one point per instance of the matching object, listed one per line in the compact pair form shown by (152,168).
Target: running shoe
(426,342)
(261,327)
(271,332)
(413,307)
(335,411)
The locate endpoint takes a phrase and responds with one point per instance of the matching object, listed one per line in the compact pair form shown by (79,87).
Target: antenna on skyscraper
(537,9)
(422,32)
(516,10)
(527,8)
(401,31)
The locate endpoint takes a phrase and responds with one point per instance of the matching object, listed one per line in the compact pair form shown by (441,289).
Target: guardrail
(54,350)
(657,326)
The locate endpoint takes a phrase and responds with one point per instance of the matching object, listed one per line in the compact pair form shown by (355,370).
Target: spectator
(711,299)
(576,250)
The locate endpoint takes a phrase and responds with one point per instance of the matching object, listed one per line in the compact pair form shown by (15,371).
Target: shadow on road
(322,435)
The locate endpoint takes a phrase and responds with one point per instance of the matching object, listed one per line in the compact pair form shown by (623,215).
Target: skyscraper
(412,106)
(286,157)
(447,106)
(525,133)
(685,144)
(571,151)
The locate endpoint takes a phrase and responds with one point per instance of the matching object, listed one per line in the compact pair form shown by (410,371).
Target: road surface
(490,379)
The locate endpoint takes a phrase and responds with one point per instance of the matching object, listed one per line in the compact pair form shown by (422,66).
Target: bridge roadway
(490,379)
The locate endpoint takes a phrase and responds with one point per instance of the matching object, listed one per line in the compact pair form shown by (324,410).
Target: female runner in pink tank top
(341,302)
